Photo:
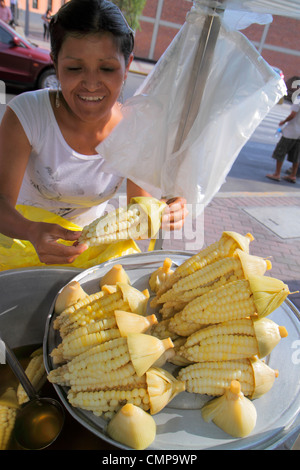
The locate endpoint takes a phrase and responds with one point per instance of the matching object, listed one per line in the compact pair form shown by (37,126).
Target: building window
(35,4)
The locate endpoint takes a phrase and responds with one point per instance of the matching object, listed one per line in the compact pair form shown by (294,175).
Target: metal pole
(201,67)
(26,29)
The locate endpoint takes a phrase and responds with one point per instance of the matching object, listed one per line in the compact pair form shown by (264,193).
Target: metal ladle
(39,421)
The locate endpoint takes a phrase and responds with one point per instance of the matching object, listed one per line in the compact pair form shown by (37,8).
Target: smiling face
(91,71)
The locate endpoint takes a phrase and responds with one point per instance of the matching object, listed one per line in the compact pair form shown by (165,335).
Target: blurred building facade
(278,42)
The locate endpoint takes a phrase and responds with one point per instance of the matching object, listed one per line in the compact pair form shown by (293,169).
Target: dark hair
(80,17)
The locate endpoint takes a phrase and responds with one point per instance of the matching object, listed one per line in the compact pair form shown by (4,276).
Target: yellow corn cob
(126,380)
(125,298)
(7,422)
(8,412)
(235,339)
(169,309)
(177,358)
(225,270)
(109,401)
(105,362)
(69,311)
(156,389)
(224,247)
(35,372)
(232,301)
(141,219)
(213,378)
(159,276)
(161,330)
(83,338)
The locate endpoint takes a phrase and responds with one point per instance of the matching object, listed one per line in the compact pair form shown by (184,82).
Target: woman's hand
(174,214)
(44,237)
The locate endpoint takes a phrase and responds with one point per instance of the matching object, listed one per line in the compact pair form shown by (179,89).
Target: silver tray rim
(89,421)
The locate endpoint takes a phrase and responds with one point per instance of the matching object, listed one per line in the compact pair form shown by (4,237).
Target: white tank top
(58,179)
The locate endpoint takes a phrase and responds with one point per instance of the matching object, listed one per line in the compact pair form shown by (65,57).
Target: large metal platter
(180,425)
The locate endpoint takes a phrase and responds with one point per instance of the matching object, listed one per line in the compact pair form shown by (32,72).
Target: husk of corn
(153,209)
(264,377)
(243,241)
(132,427)
(232,412)
(116,274)
(136,299)
(129,322)
(68,296)
(162,388)
(253,265)
(145,349)
(268,335)
(9,398)
(268,293)
(158,277)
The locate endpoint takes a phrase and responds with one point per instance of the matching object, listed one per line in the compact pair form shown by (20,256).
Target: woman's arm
(174,214)
(15,150)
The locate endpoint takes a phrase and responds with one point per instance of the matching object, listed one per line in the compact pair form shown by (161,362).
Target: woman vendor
(48,138)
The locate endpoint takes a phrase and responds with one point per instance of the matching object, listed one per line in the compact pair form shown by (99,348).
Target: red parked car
(23,63)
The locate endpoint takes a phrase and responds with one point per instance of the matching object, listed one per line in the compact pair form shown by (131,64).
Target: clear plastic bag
(240,89)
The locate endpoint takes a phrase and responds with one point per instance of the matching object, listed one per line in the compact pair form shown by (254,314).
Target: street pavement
(246,202)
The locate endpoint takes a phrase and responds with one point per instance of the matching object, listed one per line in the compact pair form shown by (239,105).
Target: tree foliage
(132,10)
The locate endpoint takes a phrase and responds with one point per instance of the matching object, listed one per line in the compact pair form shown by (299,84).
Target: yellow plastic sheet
(19,253)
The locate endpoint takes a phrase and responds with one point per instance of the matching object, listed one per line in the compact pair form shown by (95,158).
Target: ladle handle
(19,372)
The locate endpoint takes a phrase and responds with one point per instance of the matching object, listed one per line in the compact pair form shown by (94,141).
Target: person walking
(46,19)
(5,12)
(289,145)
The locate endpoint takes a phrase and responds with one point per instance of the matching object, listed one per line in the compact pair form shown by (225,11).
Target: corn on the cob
(235,339)
(121,323)
(109,401)
(169,309)
(35,372)
(157,388)
(141,219)
(8,411)
(224,247)
(124,378)
(238,266)
(101,306)
(109,361)
(256,296)
(213,378)
(161,330)
(7,422)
